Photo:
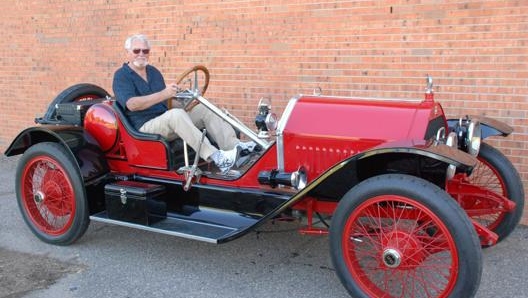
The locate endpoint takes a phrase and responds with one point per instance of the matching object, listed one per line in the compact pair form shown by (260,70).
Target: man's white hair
(131,39)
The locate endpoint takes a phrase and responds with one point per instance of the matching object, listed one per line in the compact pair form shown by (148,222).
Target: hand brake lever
(192,171)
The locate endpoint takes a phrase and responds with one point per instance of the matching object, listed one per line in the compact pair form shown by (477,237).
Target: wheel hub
(403,250)
(38,197)
(392,258)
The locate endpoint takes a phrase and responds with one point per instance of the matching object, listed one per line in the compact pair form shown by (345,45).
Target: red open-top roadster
(407,196)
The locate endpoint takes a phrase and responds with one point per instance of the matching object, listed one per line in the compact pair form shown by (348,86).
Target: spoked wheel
(51,195)
(495,172)
(401,236)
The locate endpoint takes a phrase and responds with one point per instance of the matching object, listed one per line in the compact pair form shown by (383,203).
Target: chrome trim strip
(280,129)
(366,98)
(151,229)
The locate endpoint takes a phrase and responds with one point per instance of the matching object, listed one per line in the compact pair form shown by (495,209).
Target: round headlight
(271,122)
(474,138)
(452,140)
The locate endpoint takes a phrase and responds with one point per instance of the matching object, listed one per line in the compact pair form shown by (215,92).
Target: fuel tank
(101,122)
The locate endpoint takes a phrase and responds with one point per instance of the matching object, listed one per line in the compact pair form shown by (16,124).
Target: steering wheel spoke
(188,96)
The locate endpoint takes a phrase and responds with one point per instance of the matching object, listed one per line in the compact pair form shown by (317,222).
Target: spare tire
(78,92)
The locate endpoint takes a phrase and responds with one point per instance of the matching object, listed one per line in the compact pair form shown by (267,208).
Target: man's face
(138,54)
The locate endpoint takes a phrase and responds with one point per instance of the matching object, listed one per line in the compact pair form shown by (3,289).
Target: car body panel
(490,126)
(83,147)
(320,131)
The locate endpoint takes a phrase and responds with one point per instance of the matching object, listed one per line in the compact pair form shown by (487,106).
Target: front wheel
(51,195)
(496,173)
(401,236)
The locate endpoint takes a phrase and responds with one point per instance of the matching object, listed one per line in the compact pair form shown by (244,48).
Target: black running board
(180,227)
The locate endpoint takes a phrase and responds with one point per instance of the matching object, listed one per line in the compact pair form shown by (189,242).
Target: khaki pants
(188,126)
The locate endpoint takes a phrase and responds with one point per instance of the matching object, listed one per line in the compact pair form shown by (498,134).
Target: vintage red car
(406,196)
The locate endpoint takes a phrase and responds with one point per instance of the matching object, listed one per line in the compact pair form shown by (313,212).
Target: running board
(180,227)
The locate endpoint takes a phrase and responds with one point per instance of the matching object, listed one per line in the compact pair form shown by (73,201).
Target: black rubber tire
(53,162)
(432,200)
(514,189)
(78,92)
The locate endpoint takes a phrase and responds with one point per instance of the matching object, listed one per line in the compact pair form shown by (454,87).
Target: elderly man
(141,90)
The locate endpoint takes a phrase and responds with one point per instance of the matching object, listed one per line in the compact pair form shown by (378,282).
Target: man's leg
(178,121)
(219,130)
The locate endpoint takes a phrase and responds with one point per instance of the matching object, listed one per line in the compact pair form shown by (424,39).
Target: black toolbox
(73,112)
(136,202)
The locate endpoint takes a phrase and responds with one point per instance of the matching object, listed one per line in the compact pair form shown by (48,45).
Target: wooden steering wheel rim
(192,69)
(185,74)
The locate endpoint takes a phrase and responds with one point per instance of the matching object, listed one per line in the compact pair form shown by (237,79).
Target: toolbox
(136,202)
(73,112)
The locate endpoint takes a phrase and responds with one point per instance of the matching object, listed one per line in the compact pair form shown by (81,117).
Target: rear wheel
(51,195)
(401,236)
(495,172)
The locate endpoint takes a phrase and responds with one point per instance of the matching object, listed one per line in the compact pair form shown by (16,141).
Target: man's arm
(125,93)
(139,103)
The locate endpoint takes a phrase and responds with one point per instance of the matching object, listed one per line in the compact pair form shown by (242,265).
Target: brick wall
(477,52)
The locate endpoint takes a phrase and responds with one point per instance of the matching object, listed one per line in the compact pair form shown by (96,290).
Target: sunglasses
(137,51)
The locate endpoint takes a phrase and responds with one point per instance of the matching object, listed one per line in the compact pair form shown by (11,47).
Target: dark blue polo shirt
(127,84)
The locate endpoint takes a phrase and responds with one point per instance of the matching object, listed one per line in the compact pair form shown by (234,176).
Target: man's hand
(172,90)
(139,103)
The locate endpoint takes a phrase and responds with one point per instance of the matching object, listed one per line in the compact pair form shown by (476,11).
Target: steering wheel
(194,86)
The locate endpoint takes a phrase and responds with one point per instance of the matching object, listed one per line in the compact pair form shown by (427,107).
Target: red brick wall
(477,52)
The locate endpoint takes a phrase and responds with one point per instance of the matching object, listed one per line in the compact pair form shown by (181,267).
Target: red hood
(380,120)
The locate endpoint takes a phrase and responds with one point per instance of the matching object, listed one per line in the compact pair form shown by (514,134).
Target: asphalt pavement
(275,261)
